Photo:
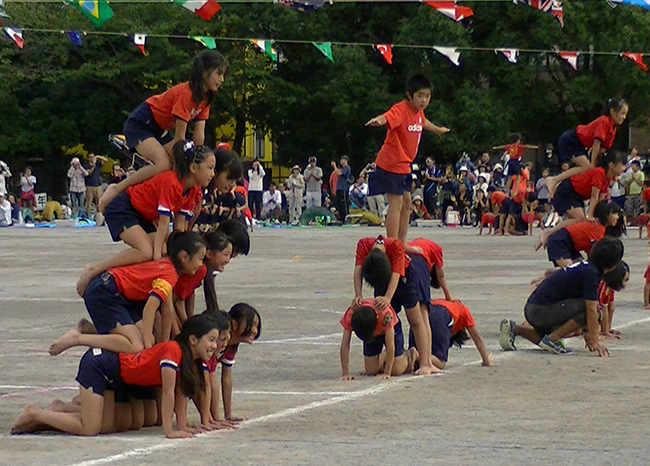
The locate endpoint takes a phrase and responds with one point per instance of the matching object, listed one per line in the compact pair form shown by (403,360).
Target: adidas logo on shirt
(415,128)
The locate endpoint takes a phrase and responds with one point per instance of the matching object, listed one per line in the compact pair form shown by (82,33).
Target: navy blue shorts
(100,370)
(374,347)
(505,206)
(107,307)
(140,126)
(441,324)
(566,198)
(569,146)
(414,287)
(620,201)
(513,167)
(514,209)
(560,246)
(391,183)
(120,215)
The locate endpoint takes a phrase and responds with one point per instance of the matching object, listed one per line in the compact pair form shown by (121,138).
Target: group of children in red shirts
(149,351)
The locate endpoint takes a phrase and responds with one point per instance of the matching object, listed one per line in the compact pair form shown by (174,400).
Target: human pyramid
(149,353)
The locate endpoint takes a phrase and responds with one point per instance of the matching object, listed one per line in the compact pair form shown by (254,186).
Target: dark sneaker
(507,336)
(556,347)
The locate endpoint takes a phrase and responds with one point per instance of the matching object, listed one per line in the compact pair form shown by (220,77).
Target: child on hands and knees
(405,121)
(376,329)
(170,365)
(382,263)
(123,302)
(450,322)
(147,128)
(246,327)
(141,216)
(606,304)
(587,142)
(567,301)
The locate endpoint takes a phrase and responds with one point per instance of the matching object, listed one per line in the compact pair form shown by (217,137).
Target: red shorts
(646,275)
(25,196)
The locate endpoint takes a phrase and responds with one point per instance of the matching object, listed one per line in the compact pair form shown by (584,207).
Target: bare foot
(87,275)
(26,422)
(428,370)
(110,194)
(65,341)
(551,185)
(413,356)
(86,327)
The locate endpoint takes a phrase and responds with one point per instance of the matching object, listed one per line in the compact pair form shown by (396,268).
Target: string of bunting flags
(99,11)
(267,46)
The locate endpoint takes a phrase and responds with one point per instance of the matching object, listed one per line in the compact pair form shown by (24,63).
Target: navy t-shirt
(577,281)
(342,183)
(95,178)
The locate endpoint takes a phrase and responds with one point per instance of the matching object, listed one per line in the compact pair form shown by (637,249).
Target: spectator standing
(551,160)
(94,181)
(343,182)
(484,161)
(376,202)
(465,161)
(5,211)
(4,174)
(541,190)
(313,176)
(296,188)
(271,204)
(633,187)
(256,187)
(433,176)
(77,189)
(27,184)
(117,174)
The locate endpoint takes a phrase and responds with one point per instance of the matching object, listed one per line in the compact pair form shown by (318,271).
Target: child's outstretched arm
(345,355)
(226,389)
(379,120)
(180,131)
(168,404)
(358,287)
(160,236)
(382,301)
(442,281)
(595,152)
(480,345)
(595,198)
(389,340)
(198,136)
(428,126)
(146,324)
(593,329)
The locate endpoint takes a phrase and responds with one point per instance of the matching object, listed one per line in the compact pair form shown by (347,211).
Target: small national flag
(208,42)
(266,46)
(510,54)
(140,40)
(571,58)
(16,35)
(386,51)
(206,9)
(451,53)
(75,37)
(451,10)
(97,11)
(635,57)
(553,7)
(3,14)
(326,49)
(641,3)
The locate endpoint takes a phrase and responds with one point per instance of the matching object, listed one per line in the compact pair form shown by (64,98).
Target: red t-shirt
(645,194)
(225,357)
(520,191)
(514,151)
(386,318)
(602,128)
(498,197)
(459,313)
(605,294)
(163,195)
(143,368)
(186,284)
(585,234)
(394,251)
(177,102)
(594,177)
(191,200)
(139,281)
(400,147)
(432,252)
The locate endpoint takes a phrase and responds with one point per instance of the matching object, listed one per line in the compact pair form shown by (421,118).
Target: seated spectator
(479,208)
(15,207)
(419,210)
(498,179)
(5,211)
(484,163)
(448,188)
(272,204)
(482,184)
(359,192)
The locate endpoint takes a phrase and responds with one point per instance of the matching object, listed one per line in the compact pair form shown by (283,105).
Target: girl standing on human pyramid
(147,128)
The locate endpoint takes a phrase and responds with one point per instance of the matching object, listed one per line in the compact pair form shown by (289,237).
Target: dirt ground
(531,407)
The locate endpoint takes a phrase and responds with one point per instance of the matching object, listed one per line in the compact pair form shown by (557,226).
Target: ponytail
(205,62)
(615,103)
(180,241)
(185,154)
(611,156)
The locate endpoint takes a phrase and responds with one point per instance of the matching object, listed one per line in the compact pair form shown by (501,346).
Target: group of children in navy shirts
(150,352)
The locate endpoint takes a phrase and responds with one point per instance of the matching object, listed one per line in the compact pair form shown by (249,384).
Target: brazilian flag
(97,11)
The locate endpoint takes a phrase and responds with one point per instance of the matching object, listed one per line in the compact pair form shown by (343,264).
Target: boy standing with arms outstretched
(405,121)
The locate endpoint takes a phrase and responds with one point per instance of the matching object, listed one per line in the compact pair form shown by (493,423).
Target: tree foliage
(54,94)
